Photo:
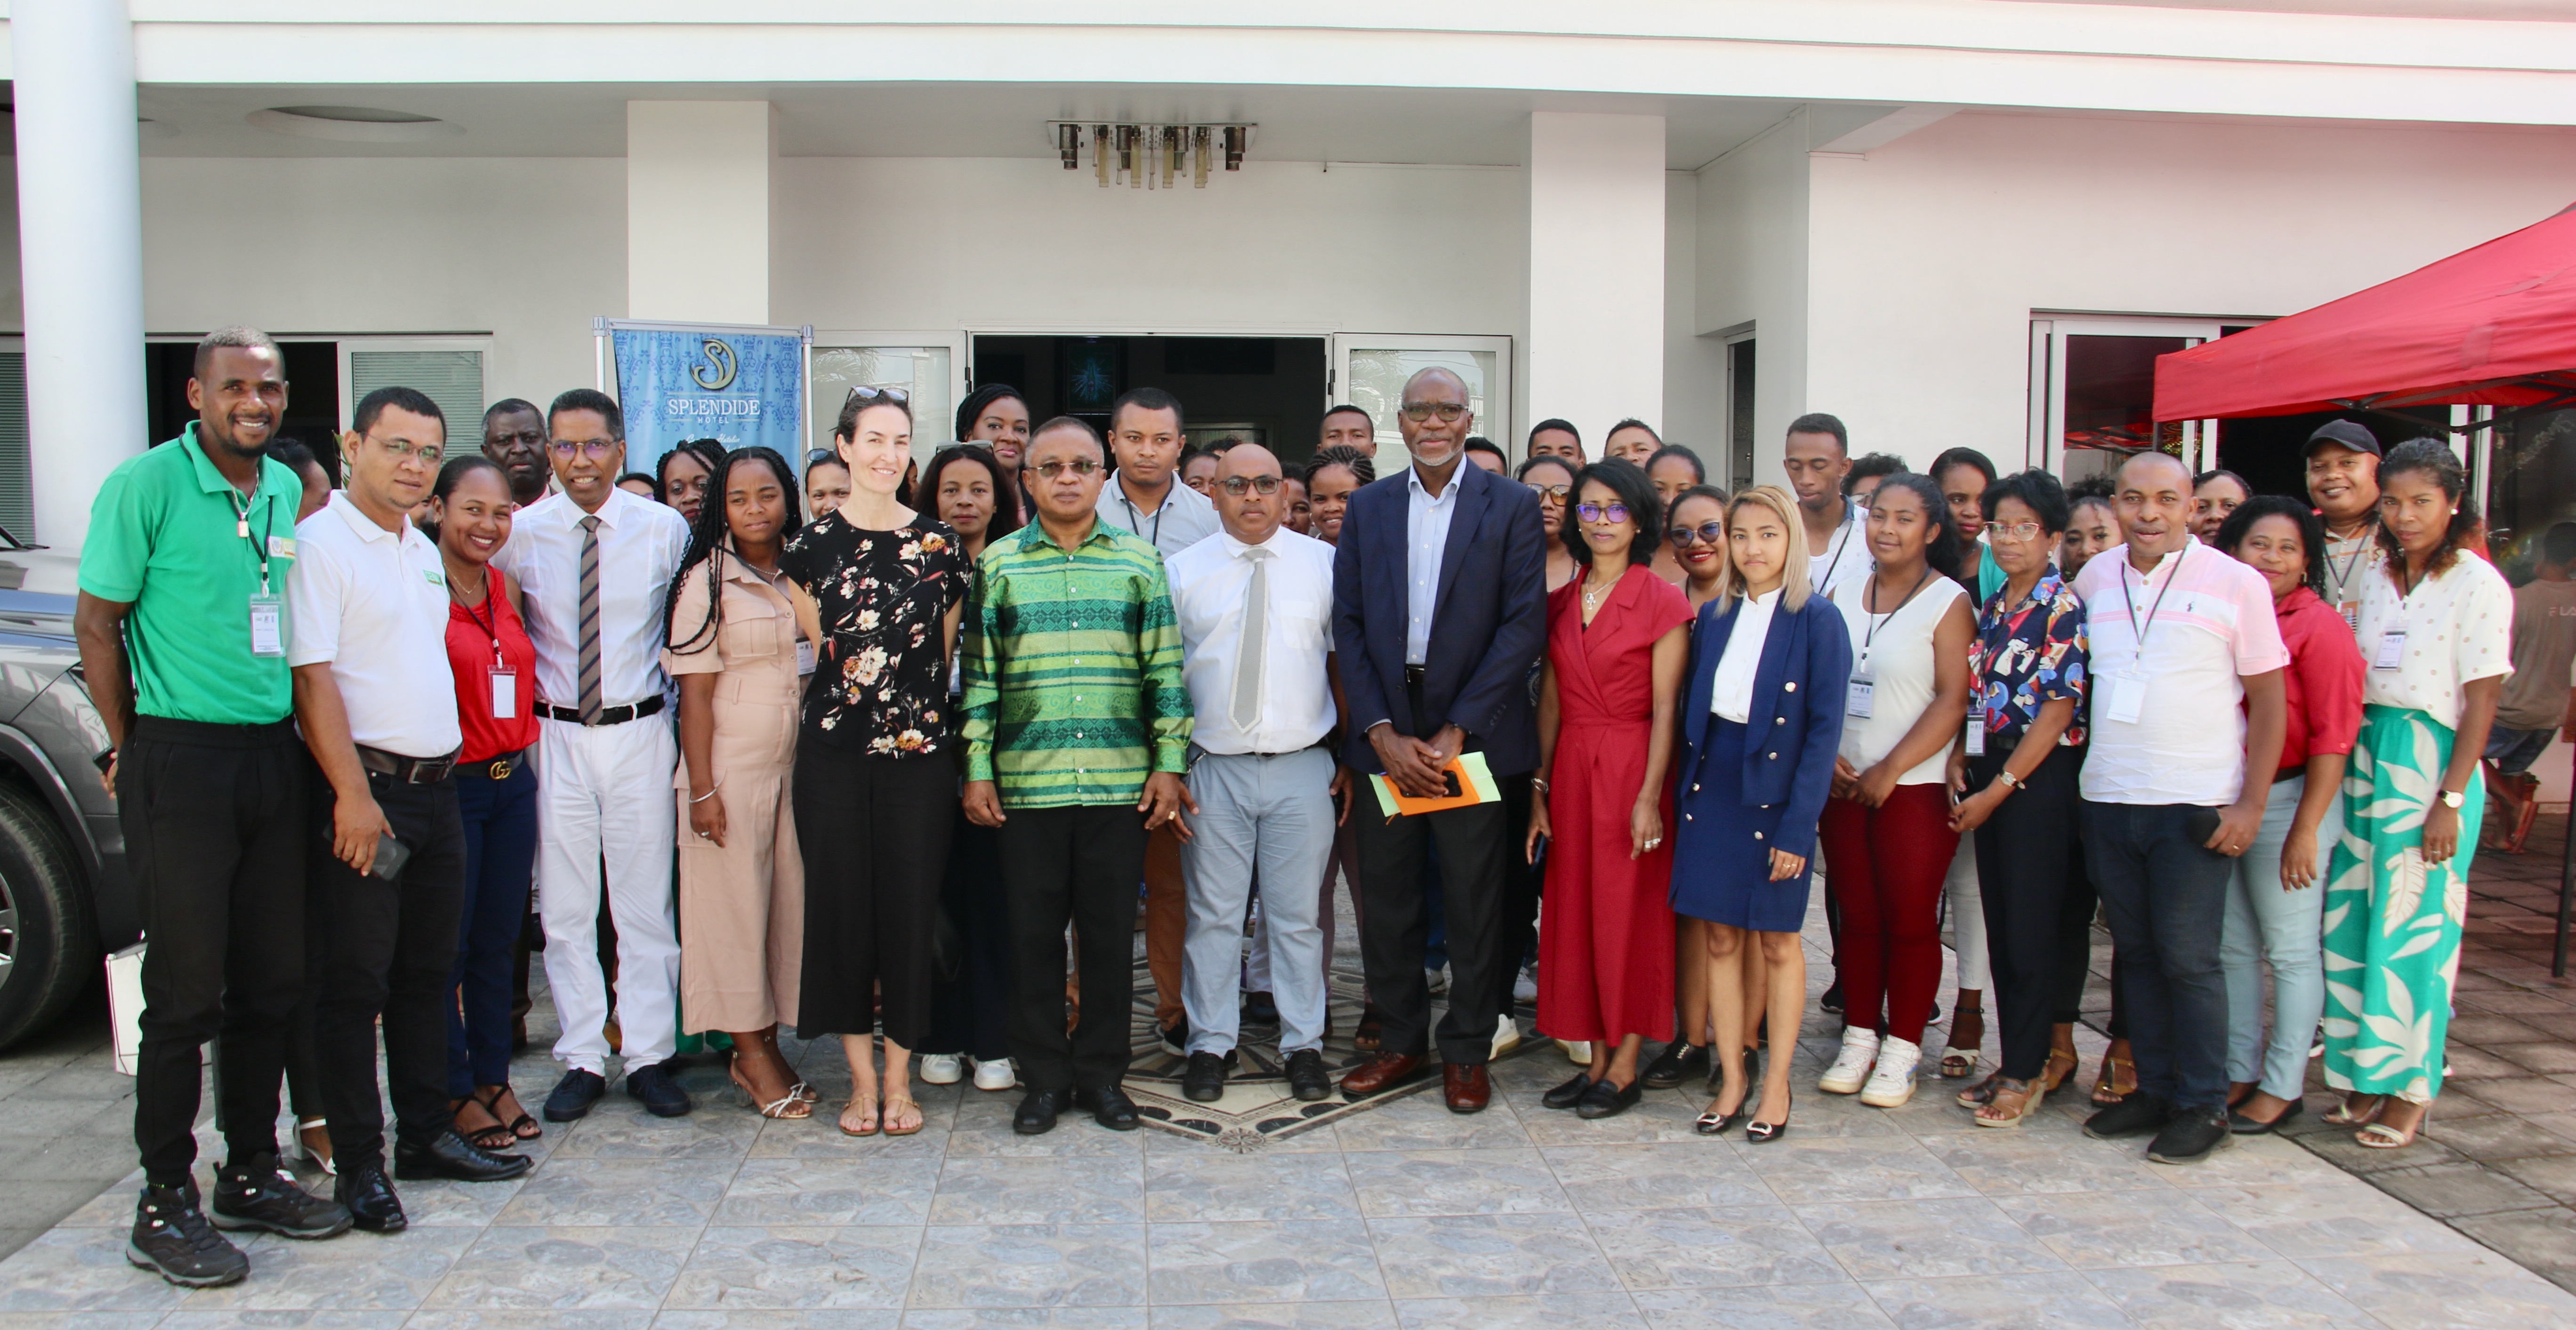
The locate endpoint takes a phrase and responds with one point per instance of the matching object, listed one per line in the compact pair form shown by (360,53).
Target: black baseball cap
(2343,434)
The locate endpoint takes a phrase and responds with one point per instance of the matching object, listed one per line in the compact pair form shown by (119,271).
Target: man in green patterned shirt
(1077,732)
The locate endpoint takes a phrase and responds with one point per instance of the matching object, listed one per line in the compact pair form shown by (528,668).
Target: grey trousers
(1272,816)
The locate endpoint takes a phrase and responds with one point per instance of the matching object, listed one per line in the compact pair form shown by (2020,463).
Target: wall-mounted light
(1199,155)
(1068,146)
(1236,137)
(1100,152)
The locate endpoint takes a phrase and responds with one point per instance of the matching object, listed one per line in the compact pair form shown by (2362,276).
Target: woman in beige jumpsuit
(742,881)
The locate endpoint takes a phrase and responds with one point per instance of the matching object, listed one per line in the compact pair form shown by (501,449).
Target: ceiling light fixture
(1147,155)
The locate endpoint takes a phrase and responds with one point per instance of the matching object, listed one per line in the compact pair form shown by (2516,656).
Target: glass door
(921,364)
(2093,394)
(1369,370)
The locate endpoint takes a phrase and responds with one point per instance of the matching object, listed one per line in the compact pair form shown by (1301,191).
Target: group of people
(898,750)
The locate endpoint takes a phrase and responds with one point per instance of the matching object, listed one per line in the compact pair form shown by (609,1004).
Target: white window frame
(2048,334)
(480,344)
(1497,422)
(845,339)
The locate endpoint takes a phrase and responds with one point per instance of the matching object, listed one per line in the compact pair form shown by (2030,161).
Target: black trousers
(214,821)
(385,951)
(1479,905)
(2023,853)
(971,1013)
(1083,866)
(1521,883)
(873,832)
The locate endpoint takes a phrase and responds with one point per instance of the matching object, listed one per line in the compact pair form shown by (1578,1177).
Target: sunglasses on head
(818,456)
(864,393)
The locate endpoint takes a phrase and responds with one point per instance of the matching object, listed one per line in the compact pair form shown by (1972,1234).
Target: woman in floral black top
(873,818)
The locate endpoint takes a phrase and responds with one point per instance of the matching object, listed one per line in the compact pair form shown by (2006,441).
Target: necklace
(1592,595)
(469,596)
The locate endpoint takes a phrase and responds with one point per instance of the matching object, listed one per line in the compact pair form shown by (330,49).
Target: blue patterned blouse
(2026,657)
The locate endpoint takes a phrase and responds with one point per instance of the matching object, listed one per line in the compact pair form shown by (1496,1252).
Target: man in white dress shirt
(1255,608)
(594,566)
(377,706)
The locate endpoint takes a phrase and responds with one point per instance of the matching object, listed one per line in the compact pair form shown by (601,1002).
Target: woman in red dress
(1618,643)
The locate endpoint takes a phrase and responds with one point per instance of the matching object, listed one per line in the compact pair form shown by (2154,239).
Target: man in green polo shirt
(1077,732)
(183,632)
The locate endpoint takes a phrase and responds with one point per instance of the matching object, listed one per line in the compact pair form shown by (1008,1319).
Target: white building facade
(1947,221)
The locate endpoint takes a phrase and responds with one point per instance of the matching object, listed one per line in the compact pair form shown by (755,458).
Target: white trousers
(606,791)
(1968,918)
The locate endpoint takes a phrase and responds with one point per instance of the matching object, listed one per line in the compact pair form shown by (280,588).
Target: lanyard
(1156,539)
(1841,543)
(241,527)
(491,626)
(2343,575)
(1875,618)
(2130,599)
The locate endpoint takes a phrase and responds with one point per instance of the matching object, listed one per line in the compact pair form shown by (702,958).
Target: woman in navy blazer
(1769,664)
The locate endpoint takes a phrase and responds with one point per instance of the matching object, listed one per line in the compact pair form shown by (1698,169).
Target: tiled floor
(1404,1216)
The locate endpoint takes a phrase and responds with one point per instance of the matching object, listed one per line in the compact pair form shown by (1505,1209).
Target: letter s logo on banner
(740,386)
(717,374)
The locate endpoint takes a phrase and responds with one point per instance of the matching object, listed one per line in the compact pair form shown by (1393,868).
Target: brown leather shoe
(1465,1088)
(1382,1072)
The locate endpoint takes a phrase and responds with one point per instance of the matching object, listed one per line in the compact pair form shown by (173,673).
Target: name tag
(434,577)
(804,657)
(2351,610)
(281,547)
(267,626)
(2392,649)
(1977,732)
(1856,699)
(2123,697)
(505,694)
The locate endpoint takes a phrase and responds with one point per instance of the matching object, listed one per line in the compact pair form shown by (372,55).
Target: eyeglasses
(1556,492)
(1080,466)
(594,449)
(1706,533)
(1417,412)
(1601,512)
(2016,532)
(1236,485)
(864,393)
(403,451)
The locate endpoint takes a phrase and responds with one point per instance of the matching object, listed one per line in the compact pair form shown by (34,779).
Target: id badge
(505,694)
(267,625)
(2392,649)
(804,657)
(2351,616)
(1977,732)
(1856,698)
(2124,698)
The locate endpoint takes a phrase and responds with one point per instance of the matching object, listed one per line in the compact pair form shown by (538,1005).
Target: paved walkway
(1406,1216)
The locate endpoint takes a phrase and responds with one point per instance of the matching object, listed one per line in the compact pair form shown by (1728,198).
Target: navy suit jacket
(1487,628)
(1796,721)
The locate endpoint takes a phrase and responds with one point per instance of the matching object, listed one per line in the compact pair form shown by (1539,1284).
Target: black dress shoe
(448,1155)
(1568,1094)
(172,1239)
(259,1194)
(1680,1061)
(661,1096)
(1307,1079)
(1037,1112)
(574,1094)
(1110,1107)
(1204,1082)
(1605,1100)
(369,1196)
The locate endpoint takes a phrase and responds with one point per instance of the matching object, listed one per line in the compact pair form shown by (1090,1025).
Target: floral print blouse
(882,681)
(2027,656)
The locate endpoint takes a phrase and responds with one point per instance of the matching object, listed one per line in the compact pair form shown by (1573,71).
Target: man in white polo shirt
(373,697)
(2188,717)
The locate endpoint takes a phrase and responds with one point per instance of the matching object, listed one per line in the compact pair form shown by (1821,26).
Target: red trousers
(1885,866)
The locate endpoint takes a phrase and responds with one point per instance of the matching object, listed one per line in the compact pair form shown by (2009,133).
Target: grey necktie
(590,620)
(1251,650)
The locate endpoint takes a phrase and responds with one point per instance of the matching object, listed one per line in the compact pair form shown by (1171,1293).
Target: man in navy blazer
(1439,611)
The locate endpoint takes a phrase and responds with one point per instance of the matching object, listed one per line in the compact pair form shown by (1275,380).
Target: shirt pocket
(752,637)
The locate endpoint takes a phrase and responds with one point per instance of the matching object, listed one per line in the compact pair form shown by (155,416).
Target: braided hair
(707,546)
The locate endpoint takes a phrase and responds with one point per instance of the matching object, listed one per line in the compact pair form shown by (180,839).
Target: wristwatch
(2453,799)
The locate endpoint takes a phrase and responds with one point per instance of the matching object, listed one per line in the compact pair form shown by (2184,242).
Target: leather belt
(607,715)
(408,770)
(494,768)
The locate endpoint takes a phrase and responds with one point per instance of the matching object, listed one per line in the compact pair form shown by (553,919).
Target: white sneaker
(1437,981)
(942,1068)
(1577,1051)
(995,1075)
(1891,1083)
(1851,1067)
(1525,988)
(1507,1034)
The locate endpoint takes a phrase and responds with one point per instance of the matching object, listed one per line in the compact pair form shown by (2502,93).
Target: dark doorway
(312,392)
(2269,451)
(1267,390)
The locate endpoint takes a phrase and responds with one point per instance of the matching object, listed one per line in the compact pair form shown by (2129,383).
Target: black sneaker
(1176,1036)
(653,1087)
(172,1239)
(1204,1082)
(2190,1137)
(1832,1001)
(574,1094)
(2136,1115)
(258,1194)
(1679,1062)
(1307,1079)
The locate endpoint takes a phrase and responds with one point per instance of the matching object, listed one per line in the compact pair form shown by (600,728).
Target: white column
(80,252)
(1596,272)
(697,210)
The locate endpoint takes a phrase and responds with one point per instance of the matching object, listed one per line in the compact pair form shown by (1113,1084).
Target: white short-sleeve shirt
(2459,629)
(372,604)
(2208,623)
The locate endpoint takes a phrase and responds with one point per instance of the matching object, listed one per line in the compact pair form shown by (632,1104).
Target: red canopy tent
(2492,326)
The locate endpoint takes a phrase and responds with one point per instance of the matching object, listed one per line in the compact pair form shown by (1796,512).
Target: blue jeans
(500,857)
(2166,897)
(1270,818)
(2268,922)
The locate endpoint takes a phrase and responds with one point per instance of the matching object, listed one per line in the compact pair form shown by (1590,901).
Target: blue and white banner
(741,386)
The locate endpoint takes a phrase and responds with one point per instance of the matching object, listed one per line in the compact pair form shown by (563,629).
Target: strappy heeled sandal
(2106,1083)
(2341,1115)
(1957,1064)
(2377,1135)
(496,1137)
(522,1127)
(1982,1093)
(2016,1098)
(319,1157)
(789,1107)
(2061,1067)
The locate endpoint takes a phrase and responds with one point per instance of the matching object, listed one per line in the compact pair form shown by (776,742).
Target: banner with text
(735,385)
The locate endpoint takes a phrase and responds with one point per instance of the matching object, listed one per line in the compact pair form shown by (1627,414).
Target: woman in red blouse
(496,793)
(2275,908)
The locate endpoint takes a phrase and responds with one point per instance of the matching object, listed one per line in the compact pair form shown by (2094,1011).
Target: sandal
(495,1137)
(313,1141)
(905,1101)
(522,1127)
(2061,1067)
(789,1107)
(1982,1093)
(2342,1115)
(1960,1063)
(2381,1136)
(2013,1101)
(2117,1080)
(867,1123)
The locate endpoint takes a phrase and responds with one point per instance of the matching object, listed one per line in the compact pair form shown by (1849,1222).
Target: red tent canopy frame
(2490,326)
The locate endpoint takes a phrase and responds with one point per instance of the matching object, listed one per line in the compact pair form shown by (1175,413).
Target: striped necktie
(590,707)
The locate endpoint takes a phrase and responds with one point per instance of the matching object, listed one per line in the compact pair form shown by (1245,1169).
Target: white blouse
(1893,653)
(1730,693)
(2458,628)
